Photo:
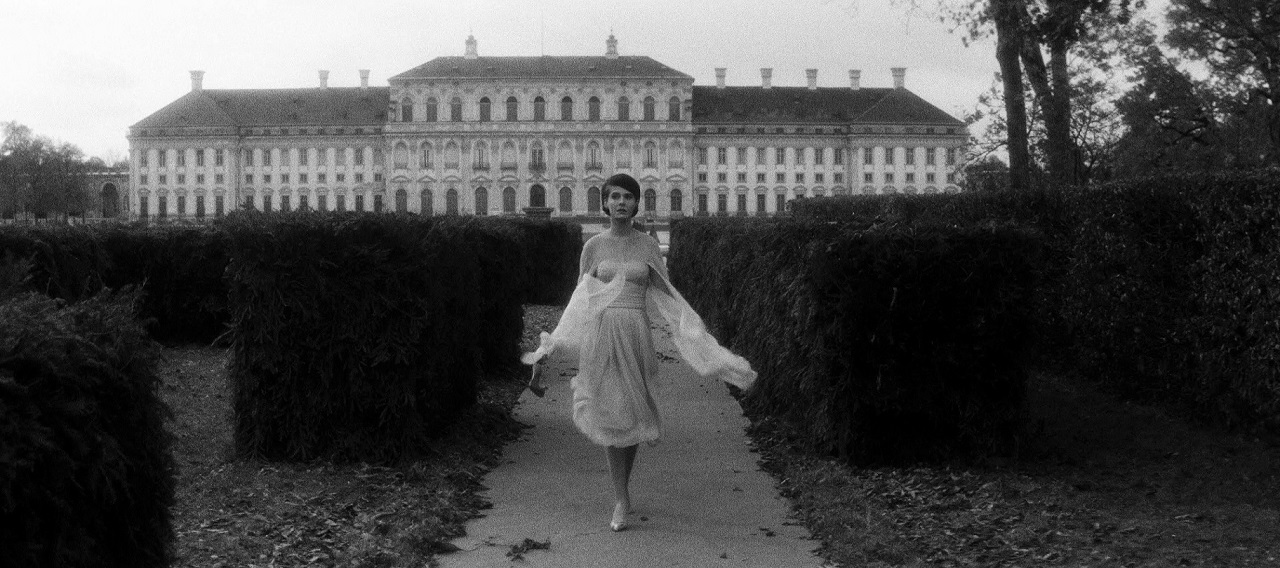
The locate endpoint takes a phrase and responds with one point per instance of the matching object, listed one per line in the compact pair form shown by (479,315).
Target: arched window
(650,200)
(482,201)
(566,200)
(593,155)
(406,110)
(513,109)
(425,205)
(432,110)
(593,109)
(593,201)
(539,109)
(537,196)
(451,202)
(650,155)
(509,199)
(623,154)
(566,109)
(673,109)
(484,109)
(402,201)
(624,108)
(648,108)
(451,155)
(675,155)
(481,156)
(677,201)
(455,109)
(401,155)
(537,159)
(564,155)
(110,200)
(424,156)
(508,155)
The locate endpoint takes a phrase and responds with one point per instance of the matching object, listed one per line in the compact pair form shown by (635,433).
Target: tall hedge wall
(878,343)
(1160,288)
(86,477)
(358,336)
(179,270)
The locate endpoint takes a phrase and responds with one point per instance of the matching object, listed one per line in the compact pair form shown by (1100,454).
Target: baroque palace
(506,135)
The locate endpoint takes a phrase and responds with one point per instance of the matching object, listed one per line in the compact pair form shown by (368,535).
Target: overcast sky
(83,72)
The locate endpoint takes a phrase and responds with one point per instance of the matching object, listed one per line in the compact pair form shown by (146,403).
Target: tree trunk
(1062,152)
(1007,15)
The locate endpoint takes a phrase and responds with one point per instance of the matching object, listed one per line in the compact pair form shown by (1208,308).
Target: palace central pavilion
(508,135)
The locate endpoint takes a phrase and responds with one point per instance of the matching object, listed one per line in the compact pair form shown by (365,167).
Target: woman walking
(621,275)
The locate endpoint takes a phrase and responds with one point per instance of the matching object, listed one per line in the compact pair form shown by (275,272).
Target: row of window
(261,156)
(480,201)
(564,155)
(219,179)
(818,156)
(819,178)
(429,112)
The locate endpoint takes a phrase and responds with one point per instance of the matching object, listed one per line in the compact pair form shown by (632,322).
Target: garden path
(699,497)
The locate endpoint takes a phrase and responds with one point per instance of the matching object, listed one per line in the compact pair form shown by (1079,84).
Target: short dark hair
(621,181)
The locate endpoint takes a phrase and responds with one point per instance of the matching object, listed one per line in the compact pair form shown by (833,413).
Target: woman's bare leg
(621,461)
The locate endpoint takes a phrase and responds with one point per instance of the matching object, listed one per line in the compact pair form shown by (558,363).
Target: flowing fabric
(606,326)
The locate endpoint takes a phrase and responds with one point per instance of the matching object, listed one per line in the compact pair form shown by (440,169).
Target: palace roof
(336,106)
(543,67)
(824,105)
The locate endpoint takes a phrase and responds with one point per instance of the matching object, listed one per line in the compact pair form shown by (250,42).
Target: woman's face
(622,203)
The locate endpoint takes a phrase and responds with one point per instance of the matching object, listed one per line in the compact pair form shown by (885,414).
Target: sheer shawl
(696,346)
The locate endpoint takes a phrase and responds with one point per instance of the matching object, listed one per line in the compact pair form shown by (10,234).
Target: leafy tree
(987,174)
(38,175)
(1239,43)
(1169,120)
(1025,30)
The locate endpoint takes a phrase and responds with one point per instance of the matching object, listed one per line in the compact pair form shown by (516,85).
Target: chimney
(899,77)
(197,81)
(812,74)
(855,79)
(364,78)
(471,47)
(324,78)
(611,48)
(766,75)
(720,71)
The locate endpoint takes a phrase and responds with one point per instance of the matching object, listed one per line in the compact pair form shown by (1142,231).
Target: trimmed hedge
(67,262)
(552,249)
(179,270)
(357,337)
(1159,289)
(86,477)
(882,343)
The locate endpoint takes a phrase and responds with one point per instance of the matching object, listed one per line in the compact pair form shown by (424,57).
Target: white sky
(84,71)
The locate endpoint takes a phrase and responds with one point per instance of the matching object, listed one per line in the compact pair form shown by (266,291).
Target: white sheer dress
(606,323)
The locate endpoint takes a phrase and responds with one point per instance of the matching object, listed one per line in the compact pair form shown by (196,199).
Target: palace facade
(485,135)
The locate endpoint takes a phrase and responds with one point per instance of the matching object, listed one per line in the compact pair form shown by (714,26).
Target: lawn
(1098,483)
(255,514)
